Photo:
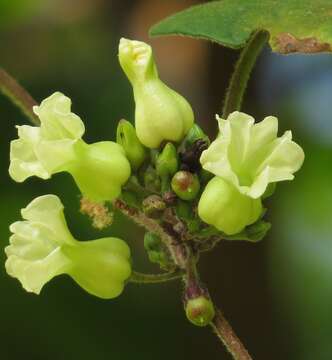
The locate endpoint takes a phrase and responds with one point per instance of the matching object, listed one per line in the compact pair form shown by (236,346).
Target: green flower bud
(167,161)
(195,133)
(151,179)
(186,185)
(42,247)
(200,311)
(224,207)
(99,169)
(127,138)
(156,251)
(161,113)
(152,241)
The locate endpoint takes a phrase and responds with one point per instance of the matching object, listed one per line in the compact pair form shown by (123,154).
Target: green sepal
(167,162)
(126,137)
(271,188)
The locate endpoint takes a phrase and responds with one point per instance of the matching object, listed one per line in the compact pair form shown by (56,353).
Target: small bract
(161,113)
(99,169)
(42,247)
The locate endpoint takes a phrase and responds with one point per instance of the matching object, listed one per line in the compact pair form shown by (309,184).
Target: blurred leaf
(295,25)
(13,11)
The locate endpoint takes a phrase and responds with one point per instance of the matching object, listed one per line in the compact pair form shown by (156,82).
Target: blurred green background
(277,294)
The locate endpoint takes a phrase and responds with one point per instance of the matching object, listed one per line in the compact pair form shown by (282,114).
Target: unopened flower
(99,169)
(161,113)
(250,156)
(42,247)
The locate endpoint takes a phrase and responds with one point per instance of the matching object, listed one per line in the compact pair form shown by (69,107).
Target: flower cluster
(164,167)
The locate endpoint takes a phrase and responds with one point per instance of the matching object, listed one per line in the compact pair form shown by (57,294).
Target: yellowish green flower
(99,169)
(161,113)
(246,158)
(42,247)
(250,156)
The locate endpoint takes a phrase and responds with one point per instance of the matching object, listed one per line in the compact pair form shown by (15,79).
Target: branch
(242,71)
(175,249)
(140,278)
(226,334)
(18,95)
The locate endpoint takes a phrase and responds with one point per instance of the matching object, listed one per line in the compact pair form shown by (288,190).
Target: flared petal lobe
(250,156)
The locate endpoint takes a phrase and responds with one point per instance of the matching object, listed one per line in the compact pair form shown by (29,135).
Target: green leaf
(294,25)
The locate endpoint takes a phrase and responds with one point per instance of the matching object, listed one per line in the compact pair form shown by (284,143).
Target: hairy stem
(226,334)
(18,95)
(142,278)
(242,71)
(153,226)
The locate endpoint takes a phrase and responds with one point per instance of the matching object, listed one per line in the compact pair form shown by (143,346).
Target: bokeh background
(277,294)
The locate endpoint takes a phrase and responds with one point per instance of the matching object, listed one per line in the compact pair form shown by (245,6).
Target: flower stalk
(18,95)
(242,71)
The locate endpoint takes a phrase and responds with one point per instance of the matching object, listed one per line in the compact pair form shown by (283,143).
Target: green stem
(19,96)
(142,278)
(242,71)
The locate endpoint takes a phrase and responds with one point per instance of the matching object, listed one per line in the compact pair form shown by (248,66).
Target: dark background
(277,294)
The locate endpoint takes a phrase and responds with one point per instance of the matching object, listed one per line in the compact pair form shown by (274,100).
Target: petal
(262,134)
(57,120)
(48,211)
(241,126)
(284,157)
(215,159)
(56,155)
(33,275)
(23,159)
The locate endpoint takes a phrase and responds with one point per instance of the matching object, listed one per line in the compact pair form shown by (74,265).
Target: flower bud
(153,206)
(127,138)
(195,133)
(151,241)
(42,247)
(161,113)
(167,161)
(224,207)
(200,311)
(186,185)
(156,252)
(151,179)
